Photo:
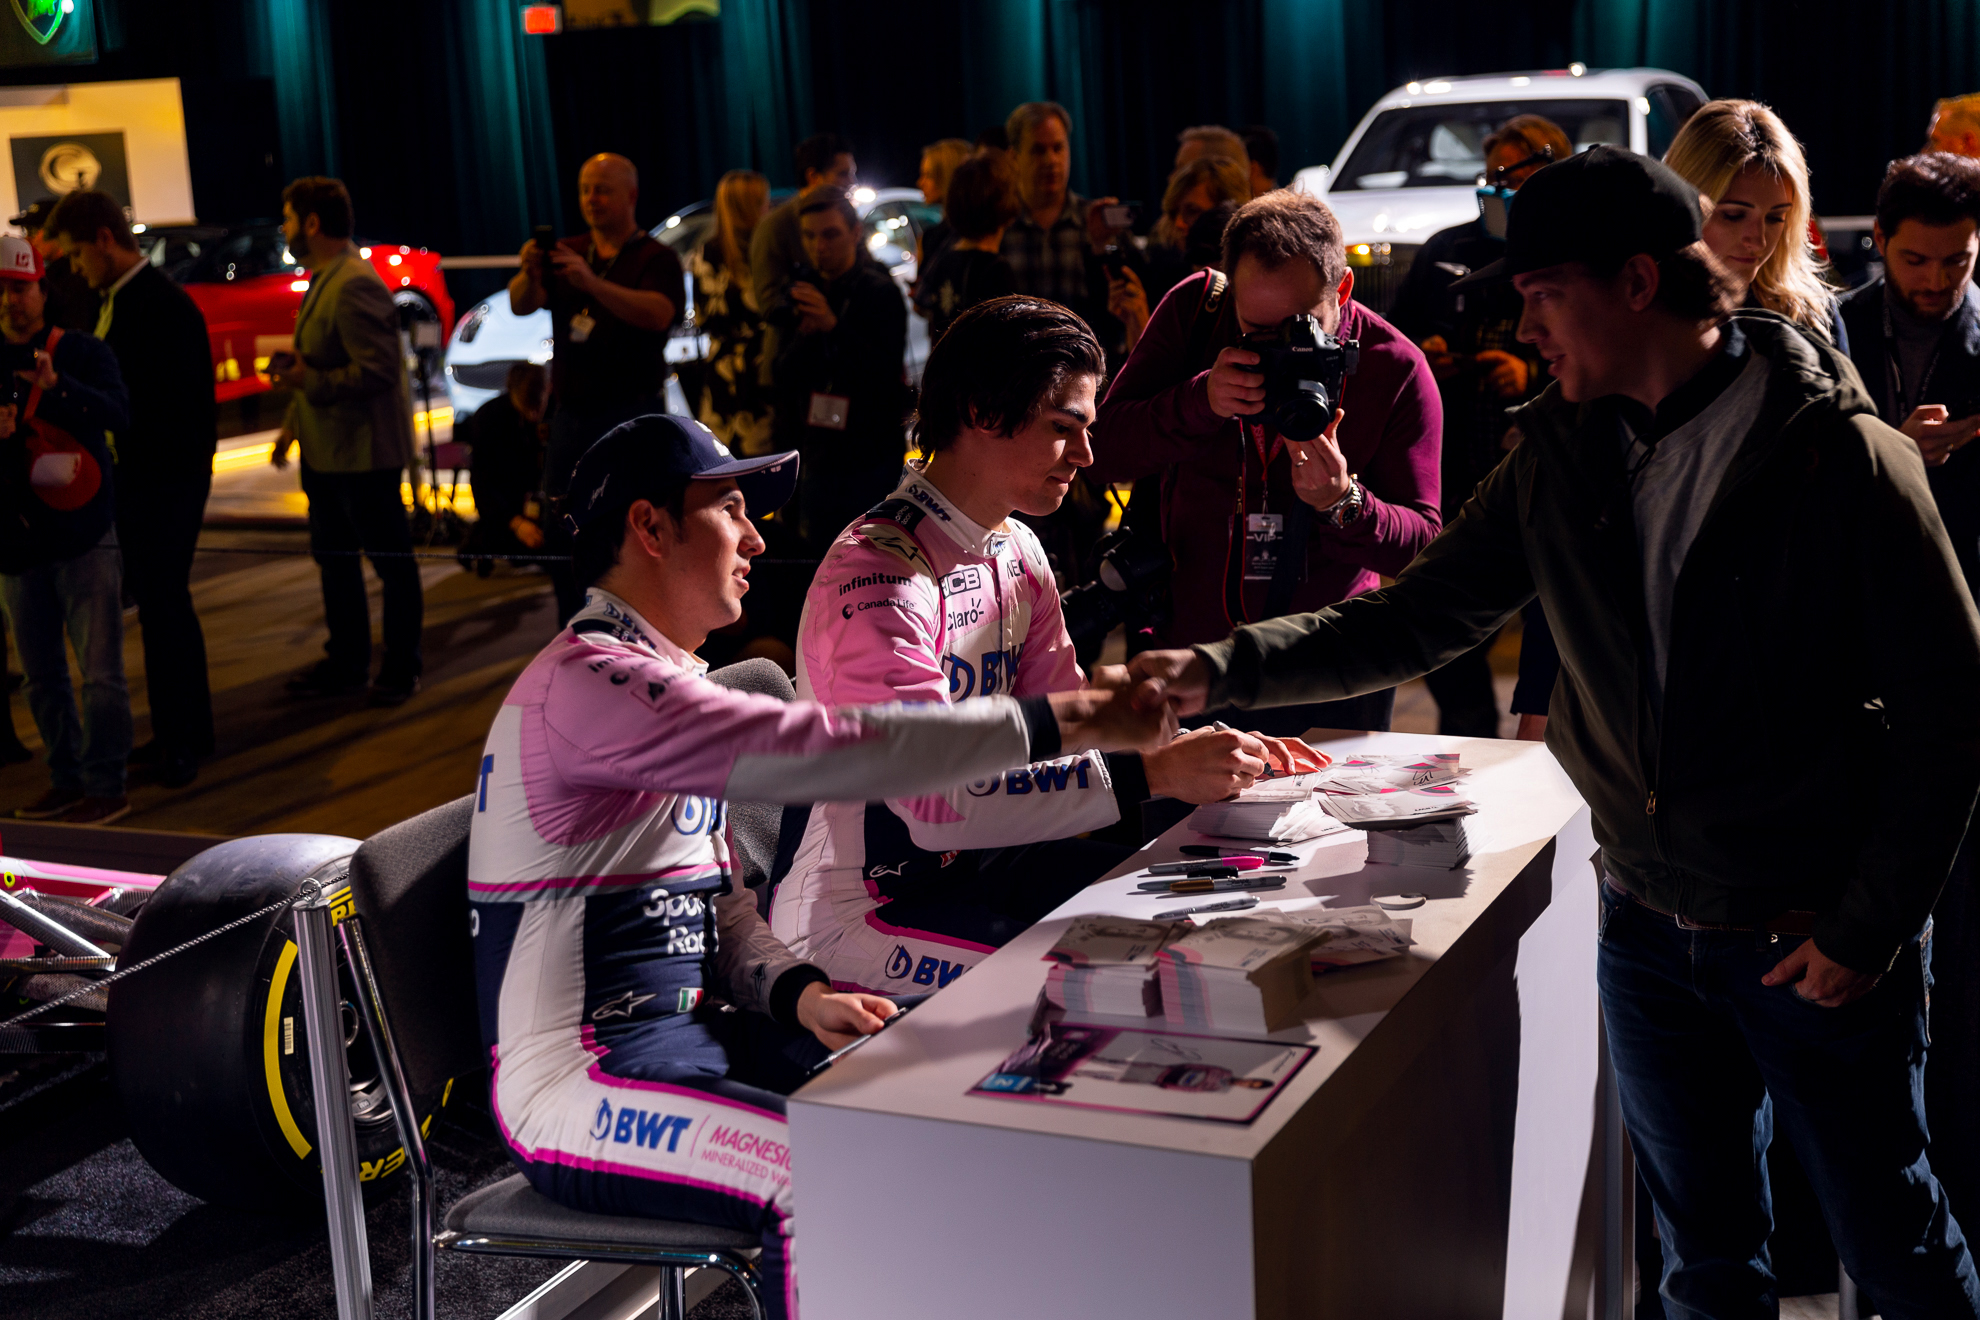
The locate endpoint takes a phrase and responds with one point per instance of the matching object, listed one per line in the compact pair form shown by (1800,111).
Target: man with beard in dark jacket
(1699,501)
(1914,332)
(841,394)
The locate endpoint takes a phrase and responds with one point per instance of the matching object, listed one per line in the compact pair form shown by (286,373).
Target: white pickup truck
(1413,164)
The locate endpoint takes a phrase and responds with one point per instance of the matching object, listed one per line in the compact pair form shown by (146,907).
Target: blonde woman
(938,165)
(735,399)
(1193,189)
(1753,176)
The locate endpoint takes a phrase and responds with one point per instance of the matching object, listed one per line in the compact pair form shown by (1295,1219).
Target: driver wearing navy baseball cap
(649,450)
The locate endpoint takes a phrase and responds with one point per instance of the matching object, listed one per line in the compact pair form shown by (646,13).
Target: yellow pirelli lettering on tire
(271,1057)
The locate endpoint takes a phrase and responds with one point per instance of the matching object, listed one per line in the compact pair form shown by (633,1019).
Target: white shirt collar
(971,535)
(629,626)
(126,278)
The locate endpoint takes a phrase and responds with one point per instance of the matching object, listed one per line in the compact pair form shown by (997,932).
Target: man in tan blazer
(351,408)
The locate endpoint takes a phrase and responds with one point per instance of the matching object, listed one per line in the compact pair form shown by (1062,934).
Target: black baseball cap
(36,215)
(629,457)
(1602,207)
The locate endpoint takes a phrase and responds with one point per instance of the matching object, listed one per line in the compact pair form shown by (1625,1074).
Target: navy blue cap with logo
(1601,207)
(630,458)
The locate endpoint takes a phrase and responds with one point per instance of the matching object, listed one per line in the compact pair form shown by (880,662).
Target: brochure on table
(1145,1071)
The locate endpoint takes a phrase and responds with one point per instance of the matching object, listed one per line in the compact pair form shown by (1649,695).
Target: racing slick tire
(208,1051)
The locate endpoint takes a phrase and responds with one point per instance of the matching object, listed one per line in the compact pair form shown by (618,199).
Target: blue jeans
(82,598)
(1708,1059)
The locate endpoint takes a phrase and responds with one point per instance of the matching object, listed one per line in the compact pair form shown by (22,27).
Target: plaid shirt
(1050,263)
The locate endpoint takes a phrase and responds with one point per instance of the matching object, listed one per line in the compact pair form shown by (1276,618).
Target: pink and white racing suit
(598,869)
(917,602)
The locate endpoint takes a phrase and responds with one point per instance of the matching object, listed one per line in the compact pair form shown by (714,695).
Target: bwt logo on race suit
(1035,779)
(639,1127)
(697,815)
(937,972)
(995,669)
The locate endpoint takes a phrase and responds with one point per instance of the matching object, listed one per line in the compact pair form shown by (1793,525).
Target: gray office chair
(411,957)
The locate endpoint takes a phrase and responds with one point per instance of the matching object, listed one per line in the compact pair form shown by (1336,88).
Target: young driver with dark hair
(937,595)
(598,863)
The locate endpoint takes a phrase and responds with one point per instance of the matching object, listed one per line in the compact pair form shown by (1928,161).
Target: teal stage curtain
(505,151)
(765,85)
(289,41)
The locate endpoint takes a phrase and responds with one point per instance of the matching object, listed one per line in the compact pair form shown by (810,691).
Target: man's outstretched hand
(1205,765)
(839,1020)
(1822,980)
(1182,678)
(1135,718)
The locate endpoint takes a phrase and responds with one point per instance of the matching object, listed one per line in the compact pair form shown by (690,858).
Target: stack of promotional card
(1275,811)
(1107,965)
(1390,807)
(1350,937)
(1238,974)
(1443,844)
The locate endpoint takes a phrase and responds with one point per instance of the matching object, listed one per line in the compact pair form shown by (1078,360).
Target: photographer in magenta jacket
(1288,437)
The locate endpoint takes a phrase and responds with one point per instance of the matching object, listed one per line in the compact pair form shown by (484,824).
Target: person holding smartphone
(615,293)
(1914,333)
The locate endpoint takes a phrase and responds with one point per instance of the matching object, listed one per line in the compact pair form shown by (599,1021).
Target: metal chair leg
(673,1293)
(336,1135)
(386,1047)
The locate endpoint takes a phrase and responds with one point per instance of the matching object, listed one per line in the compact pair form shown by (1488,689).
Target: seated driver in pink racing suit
(939,595)
(598,863)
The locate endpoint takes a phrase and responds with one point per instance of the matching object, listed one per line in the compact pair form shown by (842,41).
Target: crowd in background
(1011,225)
(806,334)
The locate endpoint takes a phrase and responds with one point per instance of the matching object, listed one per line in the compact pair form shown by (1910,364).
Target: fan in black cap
(1601,207)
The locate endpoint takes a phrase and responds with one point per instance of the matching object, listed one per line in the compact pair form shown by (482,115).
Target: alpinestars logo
(601,1123)
(622,1006)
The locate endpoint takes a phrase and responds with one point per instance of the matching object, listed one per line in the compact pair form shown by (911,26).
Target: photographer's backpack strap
(1203,325)
(1151,493)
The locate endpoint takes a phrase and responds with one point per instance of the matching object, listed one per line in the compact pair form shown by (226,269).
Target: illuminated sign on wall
(54,167)
(48,32)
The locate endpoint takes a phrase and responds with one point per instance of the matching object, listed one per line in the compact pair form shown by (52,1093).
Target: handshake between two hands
(1135,707)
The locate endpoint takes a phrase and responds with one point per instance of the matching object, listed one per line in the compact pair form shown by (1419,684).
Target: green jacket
(1820,744)
(354,410)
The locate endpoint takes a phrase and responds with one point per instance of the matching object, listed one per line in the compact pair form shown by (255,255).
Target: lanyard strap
(1903,403)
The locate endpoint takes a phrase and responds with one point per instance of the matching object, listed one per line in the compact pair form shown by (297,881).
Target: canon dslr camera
(1304,368)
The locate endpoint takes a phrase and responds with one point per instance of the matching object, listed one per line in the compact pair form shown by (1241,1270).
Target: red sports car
(249,287)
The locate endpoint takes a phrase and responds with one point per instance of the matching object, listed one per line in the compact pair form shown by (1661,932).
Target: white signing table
(1432,1159)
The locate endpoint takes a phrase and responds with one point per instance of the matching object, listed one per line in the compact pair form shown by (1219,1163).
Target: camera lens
(1304,413)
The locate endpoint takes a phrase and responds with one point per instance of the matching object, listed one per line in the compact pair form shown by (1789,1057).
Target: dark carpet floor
(89,1232)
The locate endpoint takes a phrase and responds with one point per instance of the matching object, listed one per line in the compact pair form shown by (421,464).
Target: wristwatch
(1347,508)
